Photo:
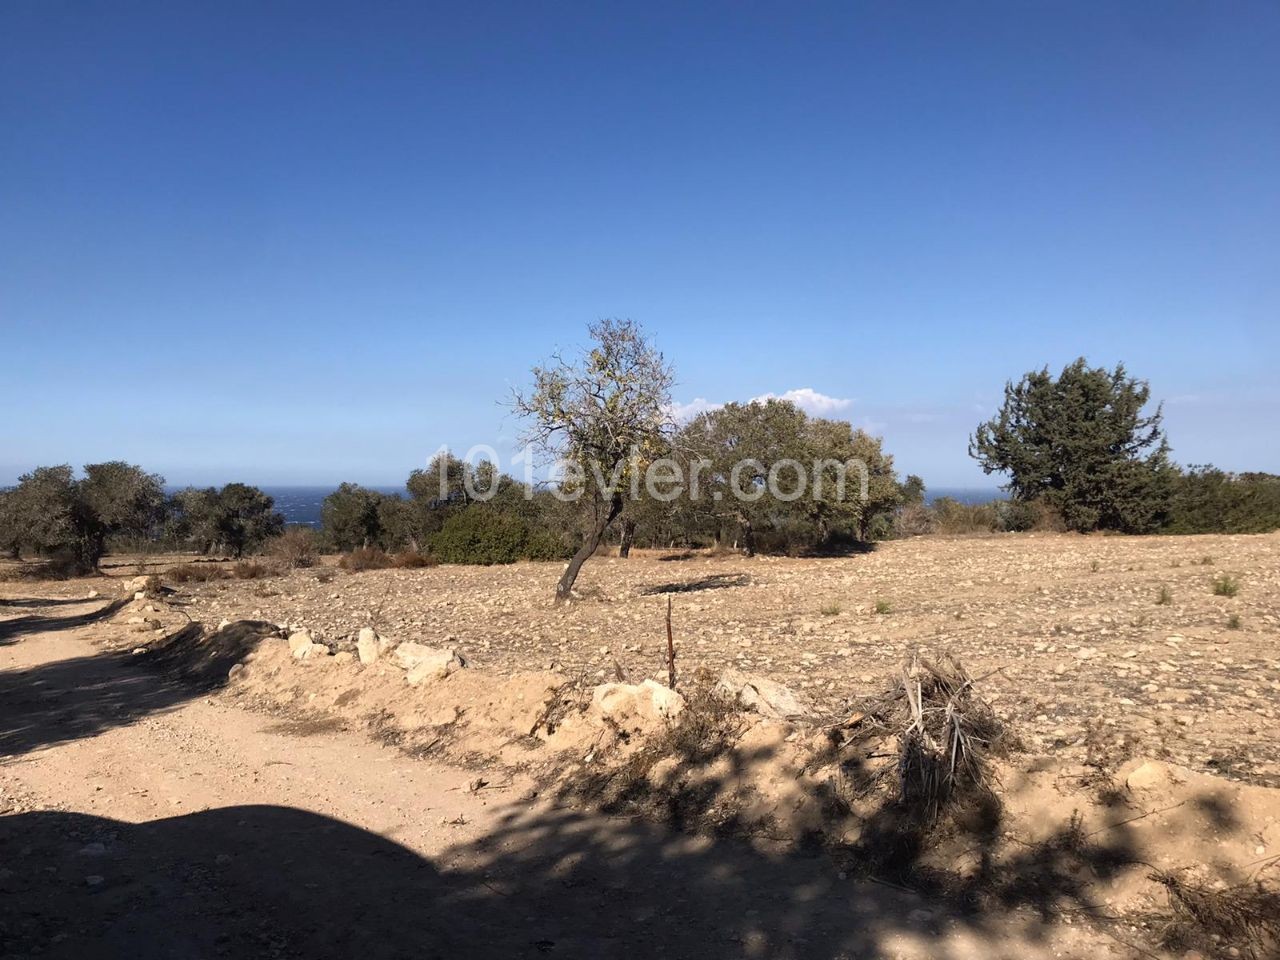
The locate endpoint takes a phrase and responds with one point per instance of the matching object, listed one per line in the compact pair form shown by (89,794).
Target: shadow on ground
(265,881)
(15,628)
(715,581)
(70,699)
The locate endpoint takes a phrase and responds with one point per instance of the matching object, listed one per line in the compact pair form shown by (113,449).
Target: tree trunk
(565,586)
(628,535)
(748,539)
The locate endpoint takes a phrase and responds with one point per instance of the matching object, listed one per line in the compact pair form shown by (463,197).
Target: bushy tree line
(441,517)
(53,513)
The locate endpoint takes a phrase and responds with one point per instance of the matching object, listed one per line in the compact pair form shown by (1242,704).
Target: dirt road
(143,818)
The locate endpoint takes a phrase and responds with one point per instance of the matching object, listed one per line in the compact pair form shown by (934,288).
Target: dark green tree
(246,518)
(1209,500)
(50,511)
(1082,444)
(118,498)
(10,527)
(46,511)
(351,517)
(193,518)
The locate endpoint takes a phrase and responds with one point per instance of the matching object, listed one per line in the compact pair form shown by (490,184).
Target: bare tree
(605,415)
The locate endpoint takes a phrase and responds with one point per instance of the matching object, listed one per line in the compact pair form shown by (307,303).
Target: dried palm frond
(944,732)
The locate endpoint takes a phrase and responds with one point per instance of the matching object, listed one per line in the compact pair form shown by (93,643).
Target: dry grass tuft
(412,560)
(253,570)
(296,547)
(196,573)
(366,558)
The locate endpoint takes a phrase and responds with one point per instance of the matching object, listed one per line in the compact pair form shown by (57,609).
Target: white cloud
(810,401)
(806,398)
(682,412)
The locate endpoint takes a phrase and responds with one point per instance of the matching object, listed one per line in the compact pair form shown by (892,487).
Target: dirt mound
(209,658)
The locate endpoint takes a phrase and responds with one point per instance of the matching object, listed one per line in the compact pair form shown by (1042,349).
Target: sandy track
(144,819)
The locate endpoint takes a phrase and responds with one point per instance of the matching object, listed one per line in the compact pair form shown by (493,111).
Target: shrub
(1017,516)
(295,548)
(1233,622)
(252,570)
(1225,585)
(365,558)
(831,609)
(913,520)
(411,559)
(1165,597)
(883,607)
(1208,500)
(952,516)
(485,536)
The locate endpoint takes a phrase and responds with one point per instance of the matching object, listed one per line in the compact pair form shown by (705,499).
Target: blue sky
(310,242)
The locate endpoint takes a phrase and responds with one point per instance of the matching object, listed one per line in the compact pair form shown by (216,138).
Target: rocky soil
(1082,654)
(1140,700)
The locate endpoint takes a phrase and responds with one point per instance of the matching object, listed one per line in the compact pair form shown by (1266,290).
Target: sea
(301,505)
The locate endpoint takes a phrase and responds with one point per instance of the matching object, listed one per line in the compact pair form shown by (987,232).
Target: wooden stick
(671,650)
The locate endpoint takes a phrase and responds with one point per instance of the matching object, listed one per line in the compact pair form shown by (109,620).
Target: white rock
(408,655)
(370,646)
(299,640)
(312,651)
(636,706)
(434,666)
(766,697)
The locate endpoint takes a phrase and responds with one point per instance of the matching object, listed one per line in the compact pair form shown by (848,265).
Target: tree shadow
(966,867)
(83,696)
(841,547)
(39,603)
(253,881)
(12,630)
(714,581)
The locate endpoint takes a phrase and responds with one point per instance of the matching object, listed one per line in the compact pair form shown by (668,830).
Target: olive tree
(118,498)
(603,415)
(52,511)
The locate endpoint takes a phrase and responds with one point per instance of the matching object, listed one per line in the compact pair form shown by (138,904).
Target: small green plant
(883,607)
(830,609)
(1234,622)
(1095,566)
(1164,597)
(1225,585)
(1206,561)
